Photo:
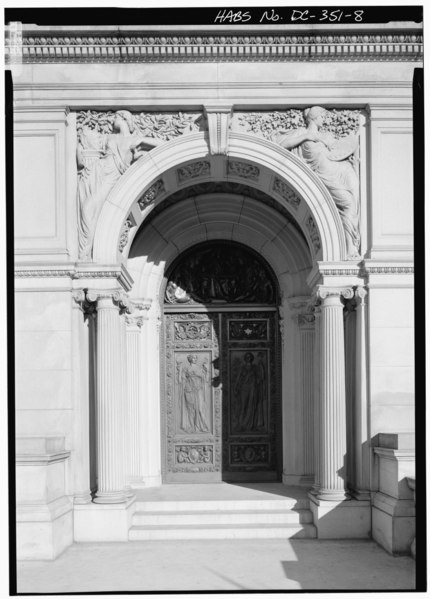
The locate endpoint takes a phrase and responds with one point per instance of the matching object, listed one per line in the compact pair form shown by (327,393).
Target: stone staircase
(250,513)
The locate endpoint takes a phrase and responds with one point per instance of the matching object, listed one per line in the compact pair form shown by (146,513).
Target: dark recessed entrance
(221,384)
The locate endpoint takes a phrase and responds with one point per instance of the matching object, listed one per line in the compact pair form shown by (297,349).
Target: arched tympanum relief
(220,274)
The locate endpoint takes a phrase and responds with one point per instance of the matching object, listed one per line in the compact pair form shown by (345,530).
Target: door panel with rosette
(221,377)
(251,396)
(193,398)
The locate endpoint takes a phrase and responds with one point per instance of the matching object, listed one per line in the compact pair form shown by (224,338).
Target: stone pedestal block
(96,522)
(44,512)
(348,519)
(393,506)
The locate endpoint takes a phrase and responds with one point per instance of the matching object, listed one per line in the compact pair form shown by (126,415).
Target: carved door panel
(192,419)
(251,396)
(221,386)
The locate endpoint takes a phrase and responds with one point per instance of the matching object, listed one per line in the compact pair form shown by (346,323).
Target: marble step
(223,504)
(226,531)
(221,517)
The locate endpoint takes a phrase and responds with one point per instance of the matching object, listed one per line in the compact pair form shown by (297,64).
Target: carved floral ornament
(326,140)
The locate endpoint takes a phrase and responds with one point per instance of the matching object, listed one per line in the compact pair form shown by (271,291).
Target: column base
(82,498)
(103,522)
(117,497)
(342,519)
(331,495)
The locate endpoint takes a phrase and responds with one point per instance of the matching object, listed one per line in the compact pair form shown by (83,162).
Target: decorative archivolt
(326,140)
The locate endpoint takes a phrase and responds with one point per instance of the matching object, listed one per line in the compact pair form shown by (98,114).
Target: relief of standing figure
(250,390)
(336,163)
(102,159)
(192,381)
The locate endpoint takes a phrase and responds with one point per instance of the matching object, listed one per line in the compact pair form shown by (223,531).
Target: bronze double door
(221,414)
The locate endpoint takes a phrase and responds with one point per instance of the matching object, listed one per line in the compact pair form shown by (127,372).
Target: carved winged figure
(102,159)
(336,163)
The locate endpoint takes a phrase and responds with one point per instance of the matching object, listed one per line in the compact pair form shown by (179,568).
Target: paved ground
(219,566)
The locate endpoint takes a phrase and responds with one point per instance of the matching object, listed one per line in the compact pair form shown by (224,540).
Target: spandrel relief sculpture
(193,393)
(336,163)
(102,159)
(108,143)
(329,144)
(249,387)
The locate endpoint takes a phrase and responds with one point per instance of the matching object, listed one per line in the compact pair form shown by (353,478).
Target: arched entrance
(220,377)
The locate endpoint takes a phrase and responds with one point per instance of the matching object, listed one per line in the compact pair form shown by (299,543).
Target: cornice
(55,46)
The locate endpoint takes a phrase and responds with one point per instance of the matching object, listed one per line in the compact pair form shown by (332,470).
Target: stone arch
(186,160)
(227,217)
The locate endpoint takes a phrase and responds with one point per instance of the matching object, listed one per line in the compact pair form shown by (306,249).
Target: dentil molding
(62,46)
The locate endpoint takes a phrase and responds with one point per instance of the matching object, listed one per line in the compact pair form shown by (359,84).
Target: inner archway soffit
(180,163)
(193,219)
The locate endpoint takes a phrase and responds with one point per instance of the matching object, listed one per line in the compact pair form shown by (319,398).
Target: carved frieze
(313,233)
(243,170)
(339,123)
(194,454)
(240,330)
(151,194)
(193,330)
(123,240)
(249,454)
(201,168)
(286,193)
(164,125)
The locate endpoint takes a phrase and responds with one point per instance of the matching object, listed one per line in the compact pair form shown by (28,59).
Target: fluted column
(332,474)
(110,447)
(135,470)
(81,434)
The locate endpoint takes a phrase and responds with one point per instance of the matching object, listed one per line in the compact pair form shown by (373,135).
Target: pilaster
(135,465)
(362,450)
(81,422)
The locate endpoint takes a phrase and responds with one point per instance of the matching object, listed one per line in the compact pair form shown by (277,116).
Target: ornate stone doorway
(221,382)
